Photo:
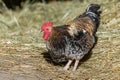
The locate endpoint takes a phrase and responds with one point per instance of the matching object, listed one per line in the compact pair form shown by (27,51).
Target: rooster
(71,41)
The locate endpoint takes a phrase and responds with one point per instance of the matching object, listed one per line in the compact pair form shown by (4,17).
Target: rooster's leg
(75,65)
(67,65)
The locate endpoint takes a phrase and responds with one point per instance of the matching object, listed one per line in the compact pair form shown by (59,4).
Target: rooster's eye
(47,29)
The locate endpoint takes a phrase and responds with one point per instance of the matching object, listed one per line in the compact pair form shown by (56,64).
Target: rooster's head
(46,28)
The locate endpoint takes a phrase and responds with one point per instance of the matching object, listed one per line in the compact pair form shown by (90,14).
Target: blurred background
(13,4)
(22,49)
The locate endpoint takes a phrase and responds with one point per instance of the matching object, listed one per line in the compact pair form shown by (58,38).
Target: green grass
(22,46)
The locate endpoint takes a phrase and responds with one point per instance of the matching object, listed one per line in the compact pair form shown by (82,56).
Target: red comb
(47,24)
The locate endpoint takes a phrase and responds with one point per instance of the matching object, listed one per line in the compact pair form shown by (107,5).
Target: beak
(41,31)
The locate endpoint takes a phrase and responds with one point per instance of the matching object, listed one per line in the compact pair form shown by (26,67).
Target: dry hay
(22,49)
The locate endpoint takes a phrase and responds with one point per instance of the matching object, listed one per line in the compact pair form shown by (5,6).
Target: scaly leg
(67,65)
(75,65)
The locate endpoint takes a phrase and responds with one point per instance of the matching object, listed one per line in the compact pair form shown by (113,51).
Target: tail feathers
(93,8)
(93,12)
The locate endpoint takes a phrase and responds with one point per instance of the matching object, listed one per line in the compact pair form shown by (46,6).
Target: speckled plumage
(73,40)
(64,46)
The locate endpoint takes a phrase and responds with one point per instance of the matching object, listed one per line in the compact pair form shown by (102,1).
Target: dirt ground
(23,54)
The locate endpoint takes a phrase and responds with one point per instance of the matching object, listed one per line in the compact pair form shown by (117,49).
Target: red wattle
(46,35)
